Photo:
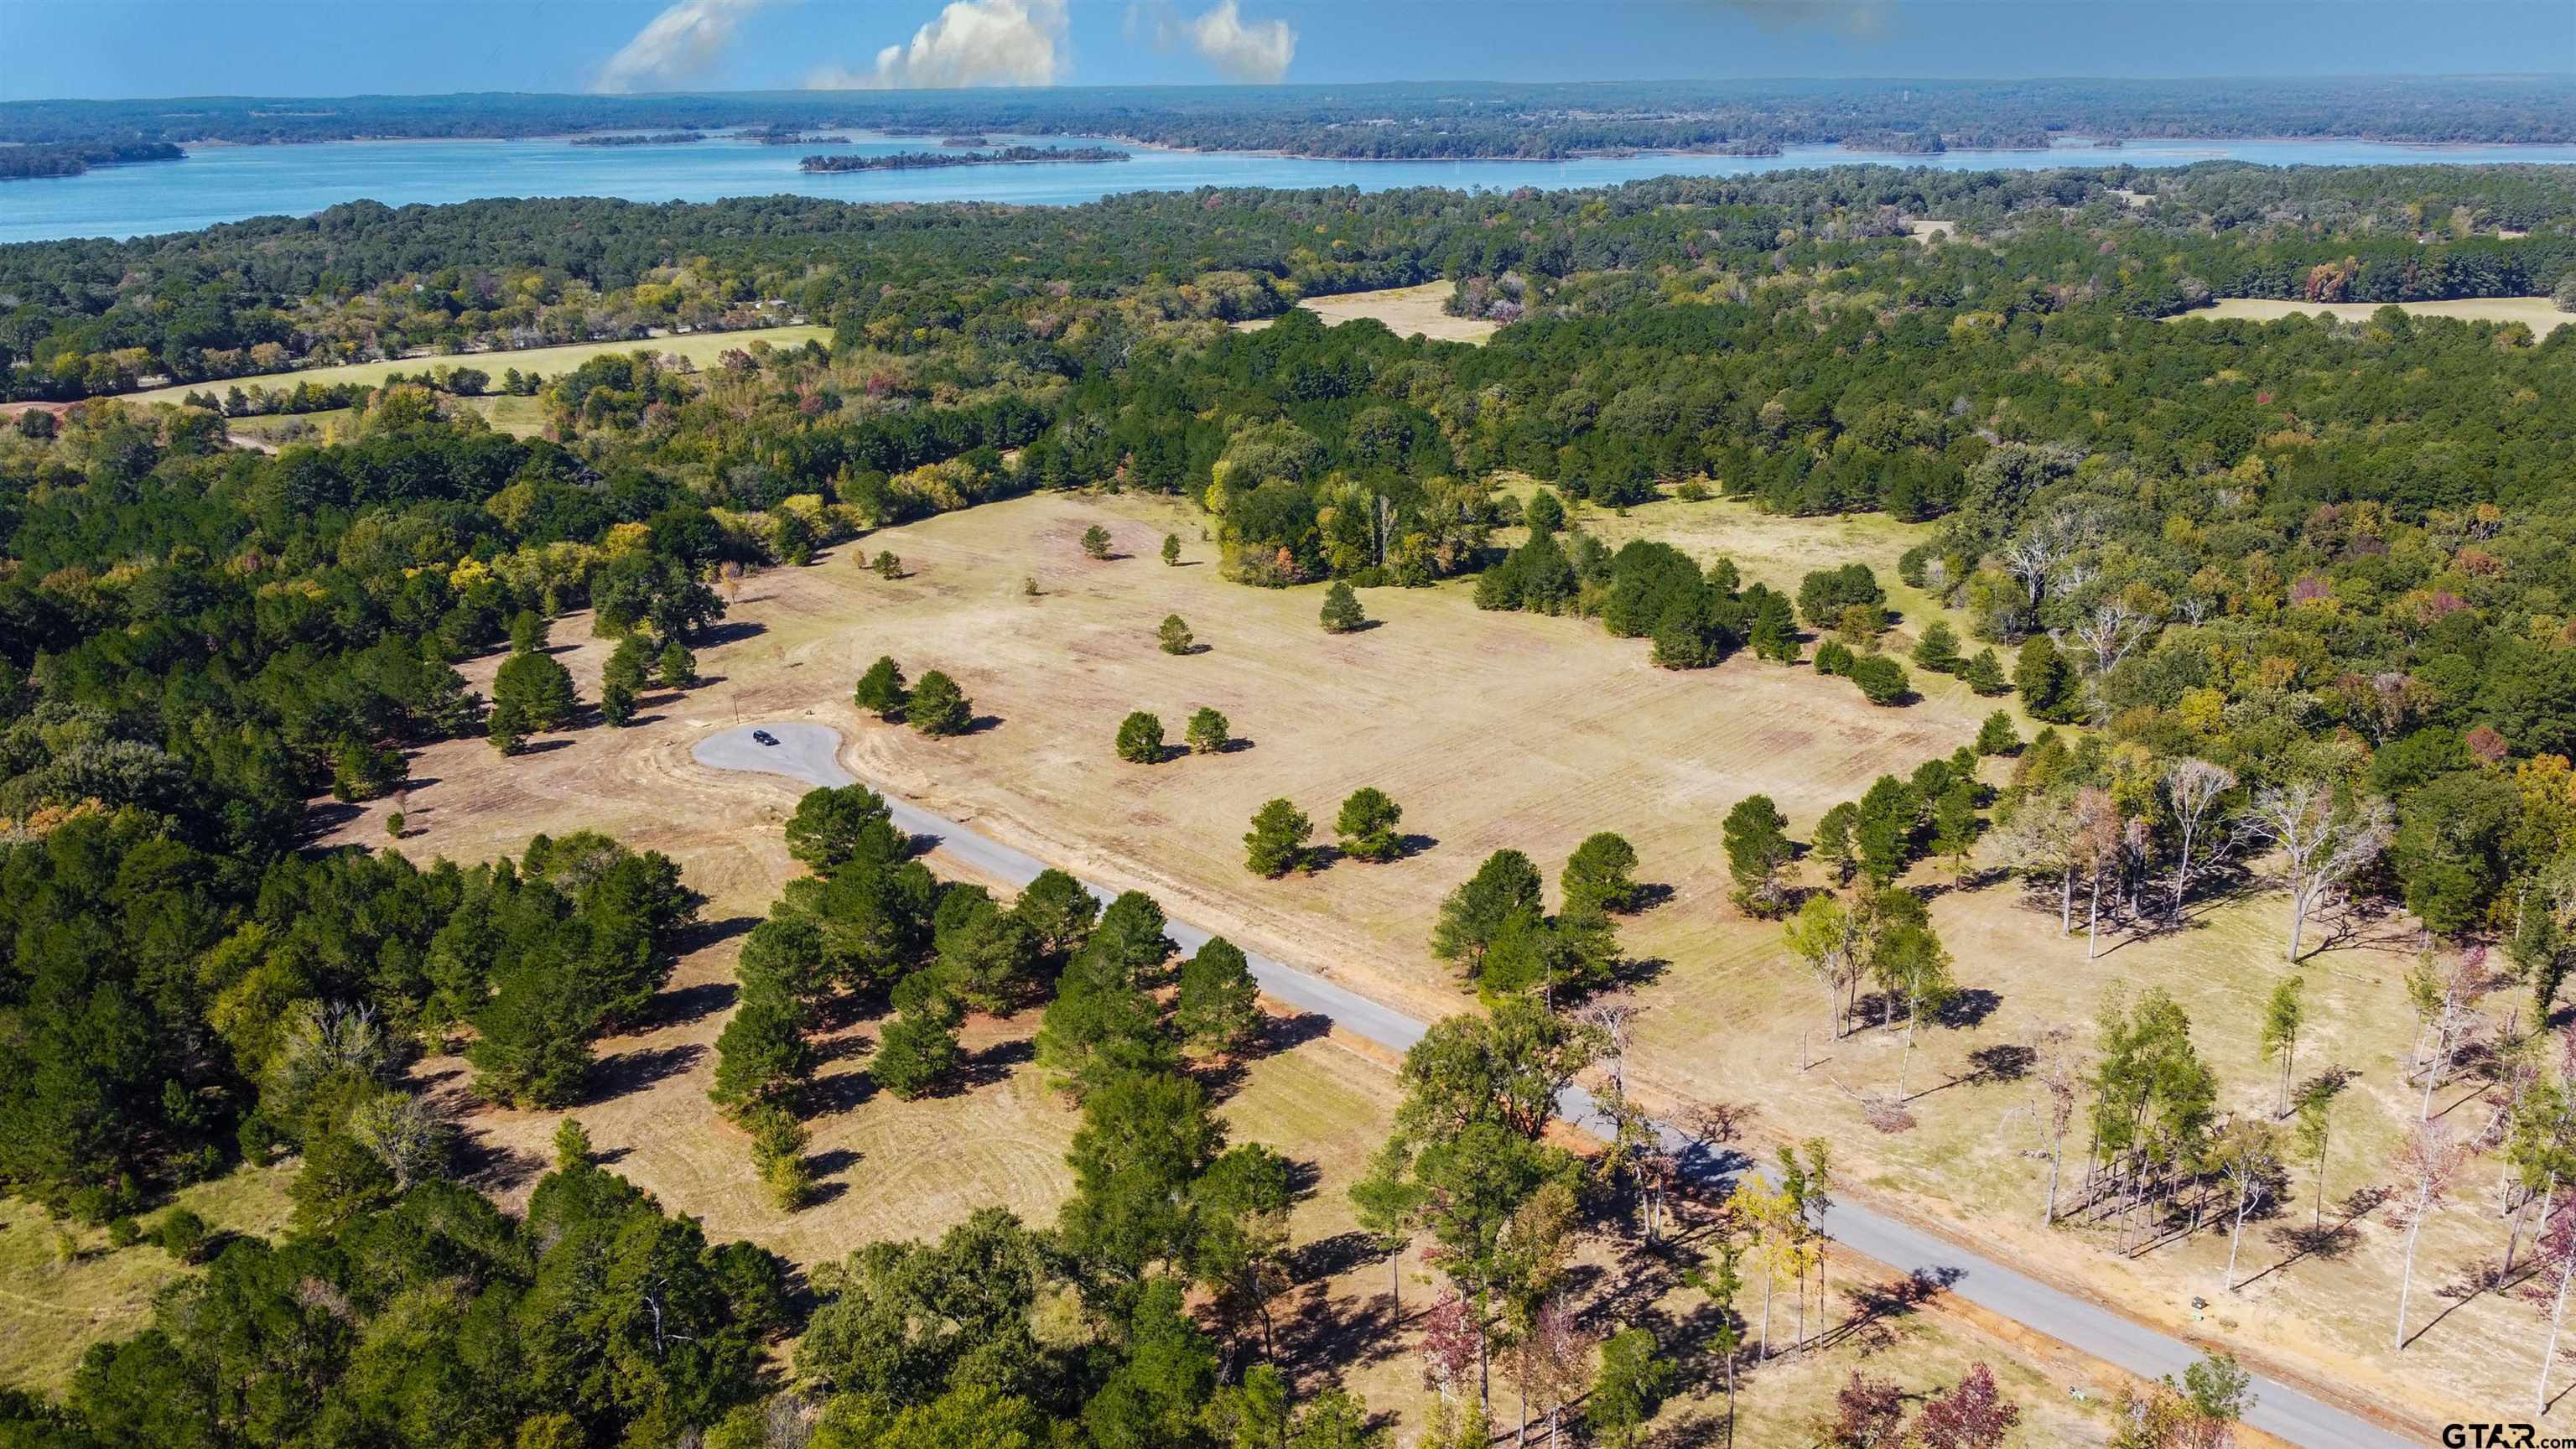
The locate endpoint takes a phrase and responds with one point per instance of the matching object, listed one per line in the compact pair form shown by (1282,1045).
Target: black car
(764,737)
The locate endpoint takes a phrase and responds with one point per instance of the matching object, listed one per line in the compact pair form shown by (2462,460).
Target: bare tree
(2043,838)
(2109,632)
(2557,1252)
(2425,1164)
(2098,838)
(2039,556)
(405,1133)
(2322,841)
(2193,790)
(2057,1077)
(2248,1157)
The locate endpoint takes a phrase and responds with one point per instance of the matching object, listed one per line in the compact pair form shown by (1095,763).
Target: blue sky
(340,47)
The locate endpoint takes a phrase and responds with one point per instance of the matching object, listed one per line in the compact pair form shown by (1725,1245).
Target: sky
(117,48)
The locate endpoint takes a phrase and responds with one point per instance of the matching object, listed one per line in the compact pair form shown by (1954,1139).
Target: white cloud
(969,43)
(679,44)
(1256,52)
(1259,51)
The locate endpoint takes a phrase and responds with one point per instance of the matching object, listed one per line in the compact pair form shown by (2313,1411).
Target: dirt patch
(2537,313)
(1405,310)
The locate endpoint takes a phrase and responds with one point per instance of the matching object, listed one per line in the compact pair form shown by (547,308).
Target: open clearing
(54,1306)
(700,348)
(1404,310)
(2538,313)
(1493,730)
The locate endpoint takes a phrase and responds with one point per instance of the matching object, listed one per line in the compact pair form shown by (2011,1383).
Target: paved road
(810,753)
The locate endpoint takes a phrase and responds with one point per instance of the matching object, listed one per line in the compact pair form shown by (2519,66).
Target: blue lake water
(228,183)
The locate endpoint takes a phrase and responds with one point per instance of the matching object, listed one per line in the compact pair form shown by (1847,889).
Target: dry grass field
(1405,311)
(2537,313)
(1492,730)
(53,1306)
(700,348)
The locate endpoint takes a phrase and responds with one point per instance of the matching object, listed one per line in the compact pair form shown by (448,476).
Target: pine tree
(678,667)
(1140,738)
(1171,548)
(881,690)
(1276,844)
(1367,825)
(1985,675)
(1218,1006)
(939,708)
(1095,541)
(1175,635)
(1342,609)
(1997,735)
(1208,731)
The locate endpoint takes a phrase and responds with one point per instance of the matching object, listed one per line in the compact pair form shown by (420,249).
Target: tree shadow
(831,1162)
(1415,844)
(685,1004)
(1968,1008)
(1634,971)
(704,932)
(633,1071)
(547,746)
(840,1092)
(982,724)
(1234,745)
(729,631)
(1646,896)
(2009,1062)
(994,1063)
(322,819)
(491,1167)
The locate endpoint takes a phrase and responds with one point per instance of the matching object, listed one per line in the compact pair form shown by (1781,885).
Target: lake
(228,183)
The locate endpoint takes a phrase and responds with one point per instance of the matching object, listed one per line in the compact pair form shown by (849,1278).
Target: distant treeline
(1421,120)
(21,163)
(657,138)
(933,160)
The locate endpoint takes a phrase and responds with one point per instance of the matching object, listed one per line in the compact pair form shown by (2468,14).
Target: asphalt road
(810,753)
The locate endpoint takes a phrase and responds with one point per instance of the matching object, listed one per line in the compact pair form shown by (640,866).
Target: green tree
(1544,513)
(1883,828)
(1834,838)
(1758,848)
(1276,844)
(527,632)
(1938,649)
(1997,735)
(623,677)
(939,708)
(1059,914)
(1175,635)
(1171,548)
(917,1052)
(677,666)
(530,695)
(1095,541)
(1208,731)
(1145,1140)
(881,690)
(2046,681)
(1473,913)
(835,825)
(1218,1006)
(1985,674)
(1629,1389)
(887,565)
(1600,875)
(1882,680)
(1955,823)
(1342,609)
(762,1054)
(1367,825)
(1140,738)
(2283,1014)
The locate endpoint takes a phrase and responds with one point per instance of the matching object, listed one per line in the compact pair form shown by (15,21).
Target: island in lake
(779,136)
(657,138)
(927,160)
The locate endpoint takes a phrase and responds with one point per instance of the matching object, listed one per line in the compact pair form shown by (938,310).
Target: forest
(2309,578)
(1407,119)
(361,281)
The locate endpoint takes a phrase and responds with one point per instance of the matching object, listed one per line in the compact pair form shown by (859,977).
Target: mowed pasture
(2537,313)
(1502,730)
(700,348)
(891,1169)
(1404,310)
